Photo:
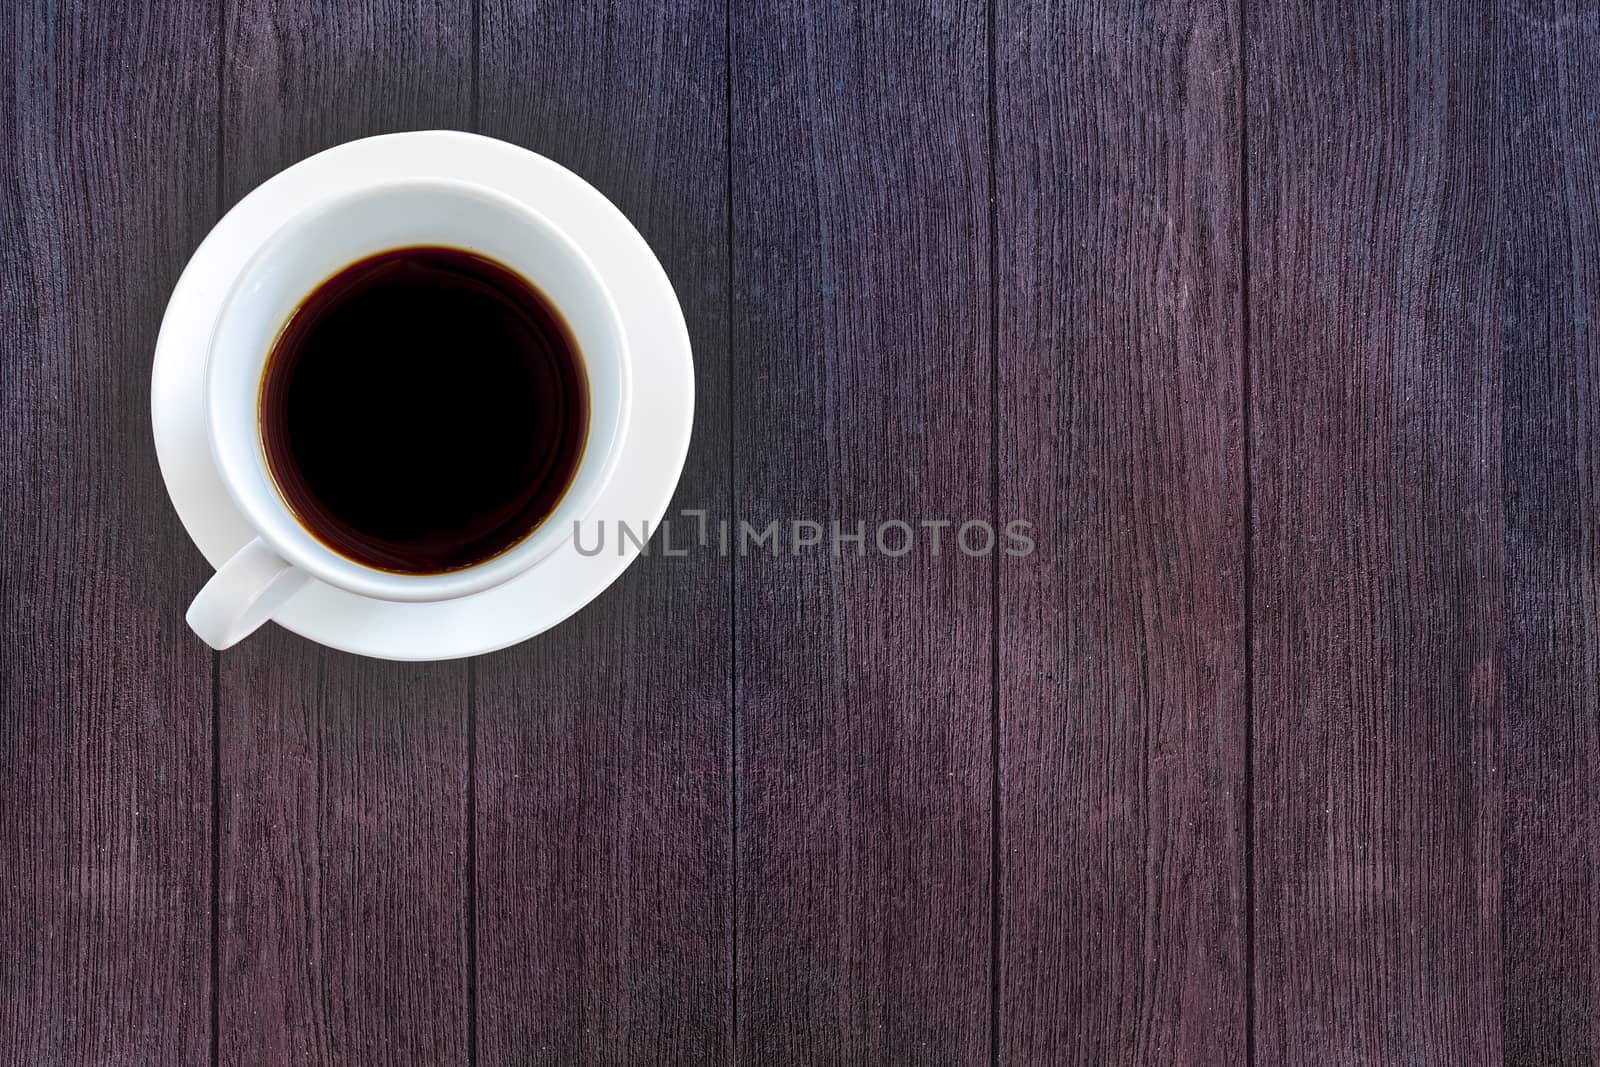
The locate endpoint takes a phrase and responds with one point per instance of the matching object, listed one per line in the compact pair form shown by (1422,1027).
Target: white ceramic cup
(288,267)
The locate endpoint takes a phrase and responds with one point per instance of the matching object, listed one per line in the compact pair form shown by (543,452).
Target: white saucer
(646,475)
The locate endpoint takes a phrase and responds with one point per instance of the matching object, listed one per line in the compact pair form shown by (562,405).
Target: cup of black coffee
(414,393)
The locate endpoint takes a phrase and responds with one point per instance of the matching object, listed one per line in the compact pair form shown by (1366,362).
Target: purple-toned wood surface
(1122,648)
(1547,206)
(1283,747)
(603,803)
(1378,585)
(106,746)
(343,783)
(862,361)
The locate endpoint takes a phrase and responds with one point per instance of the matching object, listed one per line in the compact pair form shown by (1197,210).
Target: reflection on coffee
(424,410)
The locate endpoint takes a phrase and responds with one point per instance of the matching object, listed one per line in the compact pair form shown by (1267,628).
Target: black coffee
(424,410)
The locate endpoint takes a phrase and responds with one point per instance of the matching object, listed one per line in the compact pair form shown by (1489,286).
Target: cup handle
(243,594)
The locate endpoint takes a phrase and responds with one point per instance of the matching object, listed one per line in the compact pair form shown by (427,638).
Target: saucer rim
(670,363)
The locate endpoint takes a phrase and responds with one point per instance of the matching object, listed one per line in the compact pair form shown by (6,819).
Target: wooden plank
(1550,274)
(1378,598)
(343,781)
(1122,646)
(105,729)
(862,394)
(604,926)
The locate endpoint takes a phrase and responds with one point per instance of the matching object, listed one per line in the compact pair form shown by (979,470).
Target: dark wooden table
(1280,321)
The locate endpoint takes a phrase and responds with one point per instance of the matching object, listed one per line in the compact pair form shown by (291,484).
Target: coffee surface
(424,409)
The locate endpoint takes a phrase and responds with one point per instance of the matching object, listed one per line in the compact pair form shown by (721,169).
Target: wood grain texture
(105,731)
(603,910)
(1378,604)
(1122,655)
(1550,274)
(344,874)
(862,394)
(1340,423)
(344,868)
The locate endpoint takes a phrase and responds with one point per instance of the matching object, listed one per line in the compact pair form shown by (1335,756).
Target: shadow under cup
(416,390)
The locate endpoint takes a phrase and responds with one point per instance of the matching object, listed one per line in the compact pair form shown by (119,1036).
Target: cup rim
(332,567)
